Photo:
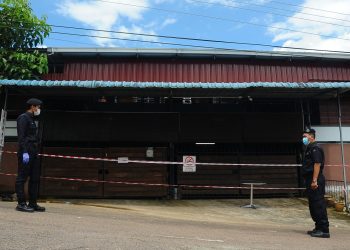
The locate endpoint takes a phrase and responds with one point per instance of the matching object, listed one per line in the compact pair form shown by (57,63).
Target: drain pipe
(346,189)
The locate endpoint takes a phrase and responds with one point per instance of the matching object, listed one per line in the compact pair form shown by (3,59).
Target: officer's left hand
(314,186)
(25,158)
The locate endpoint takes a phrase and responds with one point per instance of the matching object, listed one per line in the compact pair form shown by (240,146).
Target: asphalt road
(214,224)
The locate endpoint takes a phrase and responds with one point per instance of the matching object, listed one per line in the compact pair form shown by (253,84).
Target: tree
(21,33)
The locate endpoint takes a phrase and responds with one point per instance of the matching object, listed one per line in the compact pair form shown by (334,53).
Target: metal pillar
(302,113)
(172,173)
(3,126)
(299,150)
(346,191)
(308,122)
(172,169)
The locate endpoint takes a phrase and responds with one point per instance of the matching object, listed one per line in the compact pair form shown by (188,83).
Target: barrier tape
(160,162)
(170,162)
(155,184)
(157,162)
(154,162)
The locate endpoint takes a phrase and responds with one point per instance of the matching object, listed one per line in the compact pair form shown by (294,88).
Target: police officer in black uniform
(312,171)
(28,161)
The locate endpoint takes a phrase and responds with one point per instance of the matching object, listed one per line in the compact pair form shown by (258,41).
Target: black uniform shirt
(313,154)
(27,134)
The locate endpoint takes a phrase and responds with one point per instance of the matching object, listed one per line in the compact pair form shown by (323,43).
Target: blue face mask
(305,141)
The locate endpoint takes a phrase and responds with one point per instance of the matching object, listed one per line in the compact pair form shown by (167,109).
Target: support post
(346,191)
(299,151)
(172,169)
(302,113)
(308,122)
(3,126)
(172,173)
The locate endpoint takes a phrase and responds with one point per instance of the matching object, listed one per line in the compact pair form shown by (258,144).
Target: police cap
(34,101)
(310,131)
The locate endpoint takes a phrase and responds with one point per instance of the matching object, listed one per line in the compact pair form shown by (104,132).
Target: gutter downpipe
(345,188)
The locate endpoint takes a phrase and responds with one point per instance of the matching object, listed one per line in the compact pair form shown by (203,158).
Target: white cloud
(302,40)
(228,2)
(163,1)
(223,2)
(261,1)
(102,15)
(109,16)
(138,30)
(99,40)
(167,22)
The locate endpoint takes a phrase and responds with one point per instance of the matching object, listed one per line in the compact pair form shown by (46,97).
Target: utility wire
(196,39)
(70,41)
(298,6)
(223,19)
(266,7)
(144,41)
(268,53)
(301,12)
(174,37)
(285,10)
(268,12)
(311,8)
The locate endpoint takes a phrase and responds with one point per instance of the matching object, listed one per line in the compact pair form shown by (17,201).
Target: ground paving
(161,224)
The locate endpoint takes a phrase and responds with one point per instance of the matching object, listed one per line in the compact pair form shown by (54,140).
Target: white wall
(331,133)
(11,128)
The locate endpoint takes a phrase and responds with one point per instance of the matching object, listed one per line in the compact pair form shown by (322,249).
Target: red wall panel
(201,71)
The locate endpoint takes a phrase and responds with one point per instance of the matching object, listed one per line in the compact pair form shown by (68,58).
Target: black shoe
(24,208)
(36,207)
(311,231)
(320,234)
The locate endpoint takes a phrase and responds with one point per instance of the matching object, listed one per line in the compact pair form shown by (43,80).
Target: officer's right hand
(25,158)
(314,185)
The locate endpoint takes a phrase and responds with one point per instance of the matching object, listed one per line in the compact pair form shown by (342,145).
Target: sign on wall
(189,163)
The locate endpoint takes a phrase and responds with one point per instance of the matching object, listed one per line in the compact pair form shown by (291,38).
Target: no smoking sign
(189,163)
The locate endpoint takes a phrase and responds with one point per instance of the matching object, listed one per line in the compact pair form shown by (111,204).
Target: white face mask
(37,112)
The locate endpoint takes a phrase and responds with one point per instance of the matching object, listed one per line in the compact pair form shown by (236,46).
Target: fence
(336,190)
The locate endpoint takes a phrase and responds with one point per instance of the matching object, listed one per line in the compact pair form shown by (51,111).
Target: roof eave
(193,53)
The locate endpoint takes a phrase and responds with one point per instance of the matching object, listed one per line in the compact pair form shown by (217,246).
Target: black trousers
(317,203)
(31,170)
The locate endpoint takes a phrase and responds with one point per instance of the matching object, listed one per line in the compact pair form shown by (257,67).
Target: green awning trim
(176,85)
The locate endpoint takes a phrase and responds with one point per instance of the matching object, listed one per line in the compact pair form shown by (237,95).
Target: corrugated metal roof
(176,85)
(166,52)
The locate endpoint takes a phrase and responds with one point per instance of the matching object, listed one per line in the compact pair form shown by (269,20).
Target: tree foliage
(21,35)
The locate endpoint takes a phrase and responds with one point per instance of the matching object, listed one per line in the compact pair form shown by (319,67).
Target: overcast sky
(252,21)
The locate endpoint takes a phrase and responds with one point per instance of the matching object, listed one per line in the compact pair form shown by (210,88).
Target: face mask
(36,113)
(305,141)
